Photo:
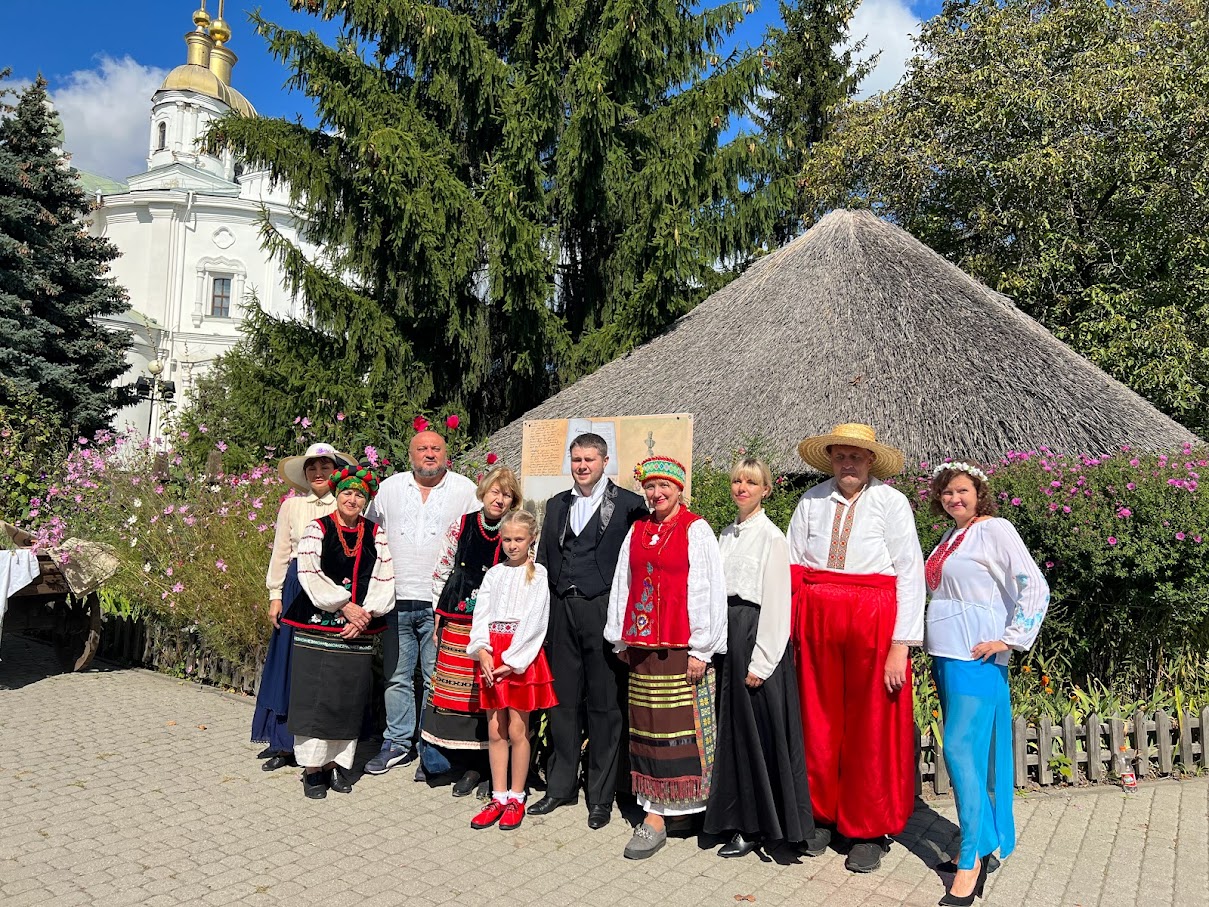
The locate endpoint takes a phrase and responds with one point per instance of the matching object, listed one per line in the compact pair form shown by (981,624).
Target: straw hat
(293,469)
(887,460)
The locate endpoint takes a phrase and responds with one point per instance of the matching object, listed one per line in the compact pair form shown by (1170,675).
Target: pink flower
(306,423)
(1197,539)
(1016,502)
(221,446)
(1130,485)
(419,423)
(168,572)
(492,459)
(297,419)
(178,588)
(452,422)
(202,428)
(1112,540)
(1179,536)
(371,454)
(82,441)
(339,417)
(1124,513)
(220,566)
(1049,564)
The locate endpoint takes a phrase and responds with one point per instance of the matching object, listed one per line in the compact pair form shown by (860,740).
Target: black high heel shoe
(953,900)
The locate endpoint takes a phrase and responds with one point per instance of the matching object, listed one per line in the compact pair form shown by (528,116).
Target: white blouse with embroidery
(292,519)
(327,594)
(706,594)
(990,588)
(880,538)
(755,561)
(506,595)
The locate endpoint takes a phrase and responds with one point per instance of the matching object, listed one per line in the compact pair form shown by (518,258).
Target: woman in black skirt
(759,791)
(348,584)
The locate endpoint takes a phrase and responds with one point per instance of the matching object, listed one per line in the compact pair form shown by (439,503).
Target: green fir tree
(507,195)
(813,67)
(53,283)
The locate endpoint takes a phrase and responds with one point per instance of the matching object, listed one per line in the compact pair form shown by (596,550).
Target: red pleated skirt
(533,689)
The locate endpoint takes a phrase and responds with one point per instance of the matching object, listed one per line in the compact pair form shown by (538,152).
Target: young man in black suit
(580,542)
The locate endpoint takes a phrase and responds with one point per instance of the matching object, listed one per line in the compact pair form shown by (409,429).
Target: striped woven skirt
(672,732)
(454,716)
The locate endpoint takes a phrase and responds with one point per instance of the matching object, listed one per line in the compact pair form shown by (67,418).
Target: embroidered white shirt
(583,506)
(292,519)
(882,539)
(706,594)
(506,595)
(990,588)
(755,561)
(415,527)
(327,594)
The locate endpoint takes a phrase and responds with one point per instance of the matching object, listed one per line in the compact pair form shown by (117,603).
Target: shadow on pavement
(25,661)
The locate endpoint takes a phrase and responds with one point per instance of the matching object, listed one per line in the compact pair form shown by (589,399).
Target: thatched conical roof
(858,321)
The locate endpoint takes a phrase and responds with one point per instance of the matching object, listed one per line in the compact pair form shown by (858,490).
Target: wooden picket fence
(152,645)
(1073,752)
(1046,754)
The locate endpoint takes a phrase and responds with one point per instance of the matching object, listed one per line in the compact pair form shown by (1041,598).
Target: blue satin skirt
(978,751)
(273,696)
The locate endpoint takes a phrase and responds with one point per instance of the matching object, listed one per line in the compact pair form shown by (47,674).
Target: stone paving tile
(123,787)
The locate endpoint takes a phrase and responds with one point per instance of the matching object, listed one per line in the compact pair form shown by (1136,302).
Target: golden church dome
(192,77)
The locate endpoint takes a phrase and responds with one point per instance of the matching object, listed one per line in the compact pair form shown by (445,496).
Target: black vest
(354,574)
(580,566)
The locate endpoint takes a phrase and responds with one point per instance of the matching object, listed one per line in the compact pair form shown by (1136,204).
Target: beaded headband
(661,468)
(967,468)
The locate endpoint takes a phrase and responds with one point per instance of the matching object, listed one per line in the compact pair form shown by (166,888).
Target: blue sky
(103,61)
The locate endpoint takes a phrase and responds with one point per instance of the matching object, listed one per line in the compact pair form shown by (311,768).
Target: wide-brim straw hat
(887,460)
(293,469)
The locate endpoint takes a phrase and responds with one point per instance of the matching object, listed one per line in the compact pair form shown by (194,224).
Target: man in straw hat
(858,607)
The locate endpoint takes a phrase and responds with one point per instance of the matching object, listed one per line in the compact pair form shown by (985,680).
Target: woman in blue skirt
(308,476)
(988,598)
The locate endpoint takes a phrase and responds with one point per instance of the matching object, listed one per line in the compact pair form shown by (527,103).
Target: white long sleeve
(508,595)
(380,596)
(619,595)
(880,538)
(324,593)
(755,560)
(1024,584)
(292,519)
(706,593)
(449,554)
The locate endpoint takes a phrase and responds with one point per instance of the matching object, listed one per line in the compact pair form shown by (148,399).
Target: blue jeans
(406,642)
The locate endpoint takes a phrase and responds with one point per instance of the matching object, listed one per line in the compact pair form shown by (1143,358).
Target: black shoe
(266,753)
(816,845)
(280,760)
(865,856)
(950,866)
(952,900)
(466,784)
(548,804)
(738,846)
(314,785)
(598,816)
(340,782)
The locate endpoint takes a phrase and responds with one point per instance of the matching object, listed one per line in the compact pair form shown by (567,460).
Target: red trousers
(860,742)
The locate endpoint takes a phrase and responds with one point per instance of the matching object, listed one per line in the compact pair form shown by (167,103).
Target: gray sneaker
(645,842)
(389,756)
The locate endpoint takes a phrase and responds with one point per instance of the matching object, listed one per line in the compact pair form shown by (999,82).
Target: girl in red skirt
(509,627)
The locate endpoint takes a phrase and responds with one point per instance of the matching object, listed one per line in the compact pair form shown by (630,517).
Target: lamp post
(154,369)
(152,389)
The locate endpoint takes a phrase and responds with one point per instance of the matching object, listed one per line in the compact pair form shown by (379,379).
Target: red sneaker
(489,816)
(514,815)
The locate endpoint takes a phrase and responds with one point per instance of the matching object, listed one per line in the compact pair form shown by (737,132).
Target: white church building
(188,229)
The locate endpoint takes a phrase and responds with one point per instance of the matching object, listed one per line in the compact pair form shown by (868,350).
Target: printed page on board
(546,459)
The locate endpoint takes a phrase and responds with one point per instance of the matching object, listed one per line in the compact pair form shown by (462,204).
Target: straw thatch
(858,321)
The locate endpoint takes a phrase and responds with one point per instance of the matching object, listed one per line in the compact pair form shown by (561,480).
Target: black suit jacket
(619,509)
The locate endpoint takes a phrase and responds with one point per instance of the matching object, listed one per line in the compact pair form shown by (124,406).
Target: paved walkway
(124,787)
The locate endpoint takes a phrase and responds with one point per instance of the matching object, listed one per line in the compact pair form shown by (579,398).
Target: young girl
(509,628)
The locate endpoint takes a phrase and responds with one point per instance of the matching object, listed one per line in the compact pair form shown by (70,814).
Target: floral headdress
(661,468)
(359,477)
(967,468)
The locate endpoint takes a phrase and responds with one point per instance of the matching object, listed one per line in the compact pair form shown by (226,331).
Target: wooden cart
(48,605)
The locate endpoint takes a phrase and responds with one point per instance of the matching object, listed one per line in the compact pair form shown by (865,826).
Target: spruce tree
(809,75)
(53,283)
(508,194)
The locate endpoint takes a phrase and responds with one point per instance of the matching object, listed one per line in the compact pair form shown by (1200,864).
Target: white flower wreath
(967,468)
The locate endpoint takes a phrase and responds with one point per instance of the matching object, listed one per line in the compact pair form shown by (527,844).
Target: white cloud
(890,27)
(106,115)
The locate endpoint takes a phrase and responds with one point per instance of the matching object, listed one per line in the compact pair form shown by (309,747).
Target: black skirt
(759,787)
(330,683)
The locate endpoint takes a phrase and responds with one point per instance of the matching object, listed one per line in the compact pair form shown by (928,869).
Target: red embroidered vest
(656,613)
